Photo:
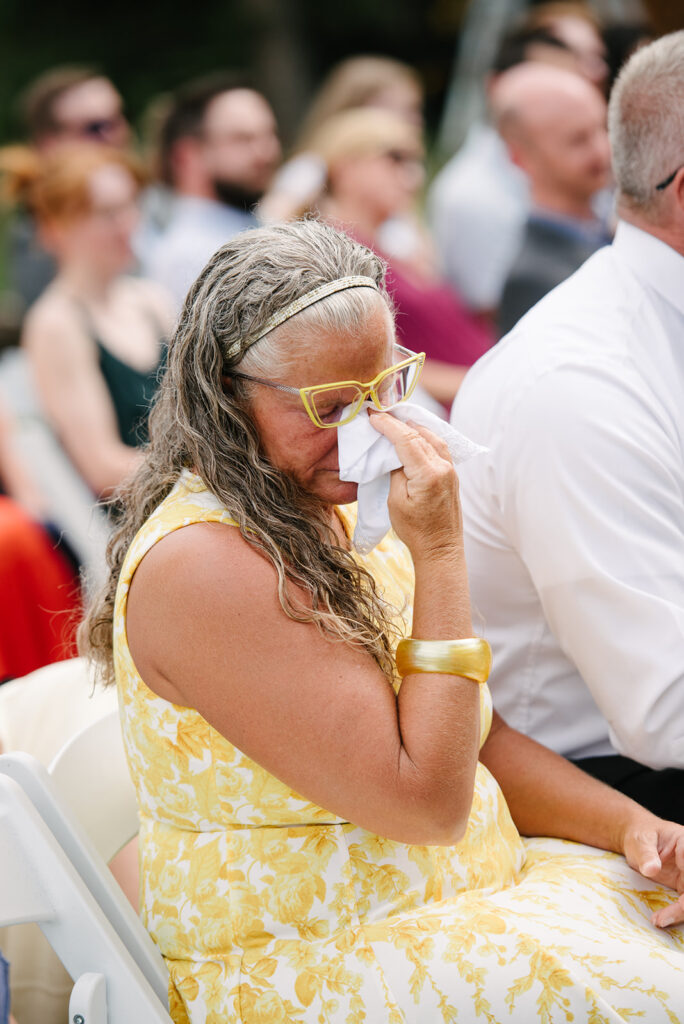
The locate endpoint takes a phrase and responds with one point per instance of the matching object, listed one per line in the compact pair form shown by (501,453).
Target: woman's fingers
(423,499)
(414,445)
(437,443)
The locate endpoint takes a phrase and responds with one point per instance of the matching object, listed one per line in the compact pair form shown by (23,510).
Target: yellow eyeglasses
(325,403)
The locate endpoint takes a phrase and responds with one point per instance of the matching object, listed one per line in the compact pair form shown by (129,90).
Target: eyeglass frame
(668,181)
(417,358)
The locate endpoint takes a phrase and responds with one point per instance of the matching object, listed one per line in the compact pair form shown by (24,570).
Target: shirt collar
(654,262)
(591,231)
(211,210)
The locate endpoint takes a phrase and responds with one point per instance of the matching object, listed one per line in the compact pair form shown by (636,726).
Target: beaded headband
(304,301)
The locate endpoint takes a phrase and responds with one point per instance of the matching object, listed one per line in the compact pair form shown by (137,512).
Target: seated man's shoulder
(592,306)
(583,325)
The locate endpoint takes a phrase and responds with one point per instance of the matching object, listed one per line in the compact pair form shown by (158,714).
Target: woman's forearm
(439,714)
(549,796)
(442,380)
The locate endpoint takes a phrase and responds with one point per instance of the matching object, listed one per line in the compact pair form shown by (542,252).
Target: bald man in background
(554,124)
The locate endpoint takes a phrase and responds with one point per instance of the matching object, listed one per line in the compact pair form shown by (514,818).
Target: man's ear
(516,153)
(678,187)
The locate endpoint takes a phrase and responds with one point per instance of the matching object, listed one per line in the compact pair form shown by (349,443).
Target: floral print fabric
(270,909)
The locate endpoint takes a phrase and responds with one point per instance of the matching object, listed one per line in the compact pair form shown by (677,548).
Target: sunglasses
(95,128)
(333,405)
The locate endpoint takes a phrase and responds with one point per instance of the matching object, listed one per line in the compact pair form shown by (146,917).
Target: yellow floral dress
(270,909)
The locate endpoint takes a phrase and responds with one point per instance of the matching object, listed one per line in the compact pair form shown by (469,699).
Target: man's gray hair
(646,122)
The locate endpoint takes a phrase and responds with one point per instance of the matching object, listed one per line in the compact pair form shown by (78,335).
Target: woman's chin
(333,490)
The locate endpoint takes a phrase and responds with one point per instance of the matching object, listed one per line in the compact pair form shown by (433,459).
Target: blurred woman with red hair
(95,342)
(95,339)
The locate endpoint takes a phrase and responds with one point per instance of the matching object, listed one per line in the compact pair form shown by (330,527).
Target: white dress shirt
(575,519)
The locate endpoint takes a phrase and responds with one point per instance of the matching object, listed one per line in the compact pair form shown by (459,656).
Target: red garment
(39,596)
(432,319)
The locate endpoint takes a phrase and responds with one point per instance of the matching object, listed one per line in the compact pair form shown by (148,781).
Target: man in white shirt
(219,152)
(575,519)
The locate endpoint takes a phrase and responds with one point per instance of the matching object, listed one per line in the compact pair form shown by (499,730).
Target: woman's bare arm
(320,715)
(442,380)
(75,398)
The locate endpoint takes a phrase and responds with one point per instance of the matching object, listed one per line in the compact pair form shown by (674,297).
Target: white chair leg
(88,1002)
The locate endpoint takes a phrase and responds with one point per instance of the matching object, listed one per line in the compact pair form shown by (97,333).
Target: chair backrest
(92,777)
(71,834)
(69,699)
(40,883)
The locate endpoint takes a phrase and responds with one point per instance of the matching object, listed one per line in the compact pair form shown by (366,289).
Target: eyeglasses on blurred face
(333,405)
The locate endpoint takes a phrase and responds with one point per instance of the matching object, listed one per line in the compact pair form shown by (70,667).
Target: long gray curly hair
(197,423)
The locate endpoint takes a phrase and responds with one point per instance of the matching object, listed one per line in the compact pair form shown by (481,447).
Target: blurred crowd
(106,233)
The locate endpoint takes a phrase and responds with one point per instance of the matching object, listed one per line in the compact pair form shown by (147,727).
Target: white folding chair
(39,882)
(91,775)
(87,801)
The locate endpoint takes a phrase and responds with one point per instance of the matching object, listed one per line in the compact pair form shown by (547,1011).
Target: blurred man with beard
(219,150)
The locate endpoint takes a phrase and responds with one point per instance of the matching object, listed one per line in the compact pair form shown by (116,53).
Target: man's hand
(655,848)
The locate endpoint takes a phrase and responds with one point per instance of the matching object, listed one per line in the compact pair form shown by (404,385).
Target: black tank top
(130,390)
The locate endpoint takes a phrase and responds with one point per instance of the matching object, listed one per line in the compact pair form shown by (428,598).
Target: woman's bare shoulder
(208,568)
(194,593)
(53,317)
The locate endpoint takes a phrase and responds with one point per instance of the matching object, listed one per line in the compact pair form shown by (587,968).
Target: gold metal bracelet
(471,658)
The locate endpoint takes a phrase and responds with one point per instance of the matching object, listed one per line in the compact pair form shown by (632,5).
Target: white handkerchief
(368,457)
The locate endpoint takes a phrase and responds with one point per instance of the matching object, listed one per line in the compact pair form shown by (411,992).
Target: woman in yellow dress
(321,840)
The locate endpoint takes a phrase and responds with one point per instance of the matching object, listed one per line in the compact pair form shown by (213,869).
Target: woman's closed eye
(331,413)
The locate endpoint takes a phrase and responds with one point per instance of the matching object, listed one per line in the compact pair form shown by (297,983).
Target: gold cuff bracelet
(471,658)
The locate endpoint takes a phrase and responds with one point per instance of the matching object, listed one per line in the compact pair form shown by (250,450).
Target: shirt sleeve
(591,482)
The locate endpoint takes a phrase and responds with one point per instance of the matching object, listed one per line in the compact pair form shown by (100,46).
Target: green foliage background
(288,45)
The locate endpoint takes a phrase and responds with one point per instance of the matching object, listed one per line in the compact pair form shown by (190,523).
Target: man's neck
(196,192)
(578,207)
(670,234)
(79,279)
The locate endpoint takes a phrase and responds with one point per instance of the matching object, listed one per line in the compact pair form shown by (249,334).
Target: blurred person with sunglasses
(63,105)
(71,104)
(325,832)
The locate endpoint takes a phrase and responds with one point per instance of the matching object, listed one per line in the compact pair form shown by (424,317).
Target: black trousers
(661,791)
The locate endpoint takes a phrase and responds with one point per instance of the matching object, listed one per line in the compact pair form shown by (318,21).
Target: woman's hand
(655,848)
(423,500)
